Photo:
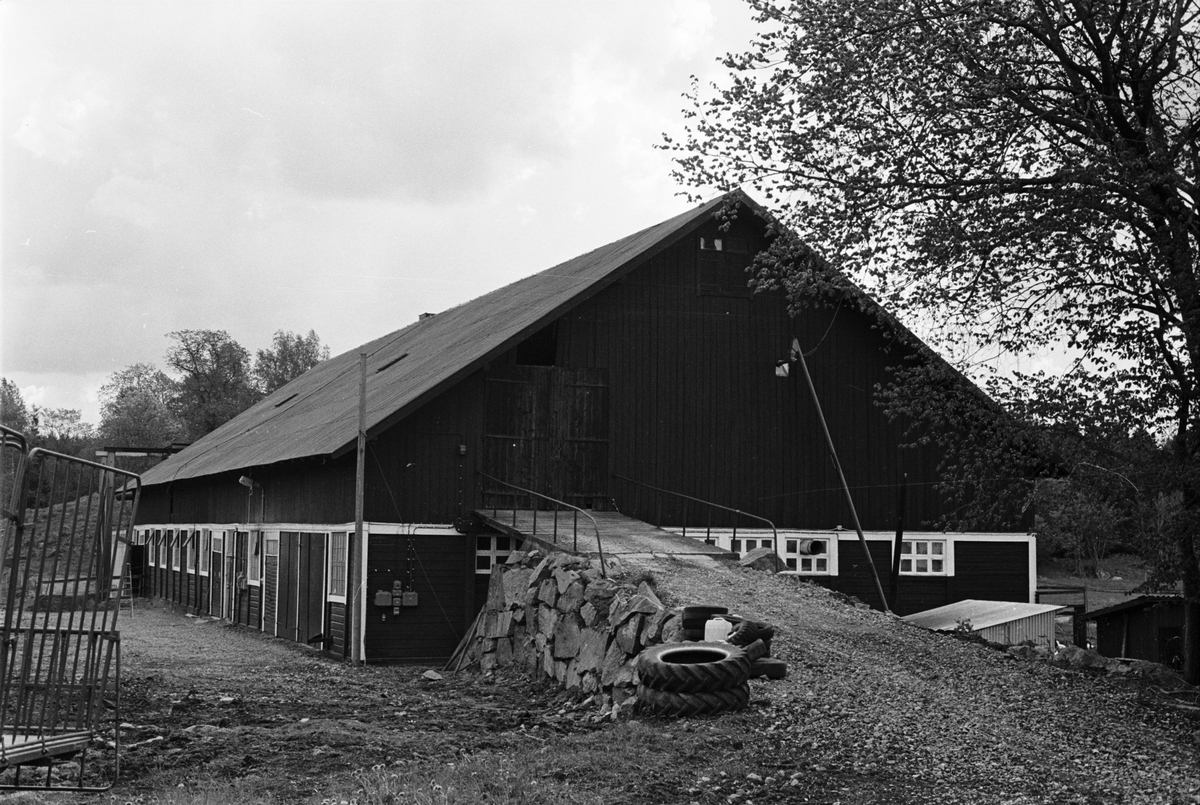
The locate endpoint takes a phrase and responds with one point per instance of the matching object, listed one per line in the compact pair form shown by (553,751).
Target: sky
(257,165)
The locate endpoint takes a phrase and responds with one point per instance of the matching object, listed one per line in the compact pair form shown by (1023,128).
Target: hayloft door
(546,429)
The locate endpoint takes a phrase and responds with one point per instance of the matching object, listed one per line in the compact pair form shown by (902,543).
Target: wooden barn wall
(439,573)
(916,593)
(336,630)
(1153,632)
(854,574)
(991,571)
(416,471)
(270,593)
(313,491)
(696,406)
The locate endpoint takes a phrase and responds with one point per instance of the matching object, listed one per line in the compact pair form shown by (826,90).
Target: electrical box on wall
(409,599)
(383,598)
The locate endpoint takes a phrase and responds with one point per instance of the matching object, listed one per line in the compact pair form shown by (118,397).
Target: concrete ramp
(619,535)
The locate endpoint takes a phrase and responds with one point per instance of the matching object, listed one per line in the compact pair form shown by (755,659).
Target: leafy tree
(13,411)
(1018,174)
(289,356)
(137,408)
(64,431)
(215,383)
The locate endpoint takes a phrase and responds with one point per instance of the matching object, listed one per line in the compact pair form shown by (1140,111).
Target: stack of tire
(746,632)
(693,679)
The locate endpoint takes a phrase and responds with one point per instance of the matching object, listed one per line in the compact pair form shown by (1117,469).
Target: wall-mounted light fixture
(248,482)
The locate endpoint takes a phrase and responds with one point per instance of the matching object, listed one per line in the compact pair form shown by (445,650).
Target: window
(152,549)
(173,548)
(218,547)
(806,556)
(923,557)
(188,543)
(205,550)
(272,548)
(337,564)
(254,558)
(491,549)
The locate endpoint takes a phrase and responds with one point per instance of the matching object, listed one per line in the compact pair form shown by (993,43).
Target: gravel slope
(877,710)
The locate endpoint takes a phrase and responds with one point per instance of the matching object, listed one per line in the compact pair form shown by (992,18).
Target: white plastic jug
(717,629)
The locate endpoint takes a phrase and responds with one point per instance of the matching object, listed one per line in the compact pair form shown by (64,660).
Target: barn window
(491,549)
(923,557)
(187,544)
(173,549)
(254,558)
(152,549)
(205,548)
(272,545)
(807,556)
(337,564)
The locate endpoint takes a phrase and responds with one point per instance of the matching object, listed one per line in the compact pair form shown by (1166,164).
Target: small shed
(1149,627)
(1006,622)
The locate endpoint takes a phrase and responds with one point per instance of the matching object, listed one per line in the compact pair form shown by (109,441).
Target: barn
(638,383)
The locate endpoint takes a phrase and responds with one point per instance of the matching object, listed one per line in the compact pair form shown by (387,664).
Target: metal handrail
(711,505)
(556,501)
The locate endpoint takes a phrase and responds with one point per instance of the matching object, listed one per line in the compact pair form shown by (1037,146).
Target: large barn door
(546,429)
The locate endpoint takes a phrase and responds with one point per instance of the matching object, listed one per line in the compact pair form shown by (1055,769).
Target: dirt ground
(873,710)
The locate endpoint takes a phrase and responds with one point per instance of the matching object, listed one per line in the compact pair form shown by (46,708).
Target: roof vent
(391,363)
(287,399)
(425,316)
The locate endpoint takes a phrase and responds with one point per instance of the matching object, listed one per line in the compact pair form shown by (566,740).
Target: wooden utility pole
(838,465)
(354,560)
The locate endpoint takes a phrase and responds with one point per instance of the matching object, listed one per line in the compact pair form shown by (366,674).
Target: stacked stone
(555,617)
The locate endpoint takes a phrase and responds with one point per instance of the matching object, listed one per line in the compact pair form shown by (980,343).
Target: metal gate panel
(67,528)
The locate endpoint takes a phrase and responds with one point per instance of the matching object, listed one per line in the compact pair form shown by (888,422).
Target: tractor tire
(769,667)
(696,616)
(693,667)
(671,703)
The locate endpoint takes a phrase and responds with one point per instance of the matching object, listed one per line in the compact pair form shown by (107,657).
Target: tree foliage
(1015,175)
(215,382)
(137,408)
(289,356)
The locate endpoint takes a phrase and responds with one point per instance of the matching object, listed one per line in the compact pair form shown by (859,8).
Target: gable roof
(317,413)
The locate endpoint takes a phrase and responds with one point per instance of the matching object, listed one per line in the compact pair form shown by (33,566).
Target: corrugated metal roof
(981,614)
(317,413)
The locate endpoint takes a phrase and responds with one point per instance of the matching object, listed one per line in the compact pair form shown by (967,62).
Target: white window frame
(186,539)
(920,555)
(339,558)
(493,553)
(254,558)
(152,549)
(205,551)
(271,545)
(174,542)
(821,564)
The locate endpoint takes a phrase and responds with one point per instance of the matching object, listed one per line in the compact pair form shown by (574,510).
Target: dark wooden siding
(854,574)
(1153,632)
(991,571)
(917,593)
(336,631)
(270,594)
(440,572)
(697,408)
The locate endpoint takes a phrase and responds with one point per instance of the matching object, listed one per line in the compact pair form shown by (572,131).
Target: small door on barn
(216,580)
(546,429)
(312,586)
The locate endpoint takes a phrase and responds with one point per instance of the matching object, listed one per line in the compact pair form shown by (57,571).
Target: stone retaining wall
(556,618)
